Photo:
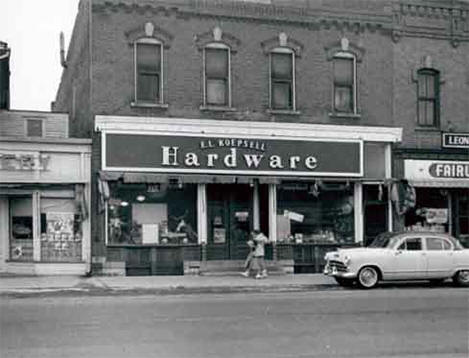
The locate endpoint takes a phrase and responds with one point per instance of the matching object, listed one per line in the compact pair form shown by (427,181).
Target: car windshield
(386,239)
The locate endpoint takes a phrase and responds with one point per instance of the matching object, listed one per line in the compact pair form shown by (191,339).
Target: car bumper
(334,272)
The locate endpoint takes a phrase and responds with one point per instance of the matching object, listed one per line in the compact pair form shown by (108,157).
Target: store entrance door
(229,220)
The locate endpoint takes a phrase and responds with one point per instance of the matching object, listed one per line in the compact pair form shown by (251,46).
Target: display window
(315,212)
(21,229)
(61,231)
(143,214)
(431,212)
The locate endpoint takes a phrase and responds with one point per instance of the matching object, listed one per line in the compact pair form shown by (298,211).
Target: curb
(173,290)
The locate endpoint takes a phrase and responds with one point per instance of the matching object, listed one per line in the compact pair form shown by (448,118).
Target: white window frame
(283,50)
(346,55)
(150,41)
(218,46)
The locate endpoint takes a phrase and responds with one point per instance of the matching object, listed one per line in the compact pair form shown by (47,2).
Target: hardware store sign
(228,155)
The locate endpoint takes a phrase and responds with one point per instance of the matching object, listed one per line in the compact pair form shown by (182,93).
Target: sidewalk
(20,286)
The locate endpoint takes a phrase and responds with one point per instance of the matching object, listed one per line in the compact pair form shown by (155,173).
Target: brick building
(213,118)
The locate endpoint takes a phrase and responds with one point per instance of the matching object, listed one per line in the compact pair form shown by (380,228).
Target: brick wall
(113,80)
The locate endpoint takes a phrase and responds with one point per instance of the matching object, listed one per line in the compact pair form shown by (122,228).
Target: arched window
(345,94)
(282,79)
(428,98)
(217,75)
(148,60)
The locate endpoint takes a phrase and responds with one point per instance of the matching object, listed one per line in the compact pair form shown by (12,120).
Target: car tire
(344,282)
(368,277)
(461,278)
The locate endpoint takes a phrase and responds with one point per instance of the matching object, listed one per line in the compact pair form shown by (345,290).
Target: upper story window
(428,98)
(148,71)
(34,128)
(217,75)
(345,97)
(282,79)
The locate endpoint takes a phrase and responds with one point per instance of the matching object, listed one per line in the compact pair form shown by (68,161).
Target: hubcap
(464,276)
(368,277)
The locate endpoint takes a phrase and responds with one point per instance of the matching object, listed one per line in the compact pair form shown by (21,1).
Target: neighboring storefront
(44,205)
(442,196)
(205,184)
(440,178)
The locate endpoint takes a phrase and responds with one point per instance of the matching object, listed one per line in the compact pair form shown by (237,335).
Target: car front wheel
(368,277)
(462,278)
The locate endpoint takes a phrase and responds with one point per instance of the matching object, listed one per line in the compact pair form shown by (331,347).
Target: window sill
(288,112)
(217,109)
(337,115)
(148,105)
(427,129)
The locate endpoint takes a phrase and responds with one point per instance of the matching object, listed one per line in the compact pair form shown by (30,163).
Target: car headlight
(347,260)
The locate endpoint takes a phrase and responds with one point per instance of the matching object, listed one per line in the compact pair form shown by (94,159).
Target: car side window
(438,243)
(412,244)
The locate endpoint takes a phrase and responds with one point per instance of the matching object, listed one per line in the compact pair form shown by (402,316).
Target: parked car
(401,256)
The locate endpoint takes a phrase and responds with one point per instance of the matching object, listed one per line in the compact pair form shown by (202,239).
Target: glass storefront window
(431,211)
(315,212)
(61,233)
(21,229)
(140,214)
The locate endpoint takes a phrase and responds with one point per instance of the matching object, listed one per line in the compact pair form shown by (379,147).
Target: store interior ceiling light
(124,203)
(140,198)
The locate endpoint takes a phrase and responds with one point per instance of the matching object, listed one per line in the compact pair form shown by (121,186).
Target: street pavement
(399,321)
(47,285)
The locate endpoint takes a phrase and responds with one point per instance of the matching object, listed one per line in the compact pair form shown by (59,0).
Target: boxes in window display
(60,243)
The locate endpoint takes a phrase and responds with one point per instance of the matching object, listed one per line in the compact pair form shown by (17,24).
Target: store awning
(155,178)
(151,178)
(440,183)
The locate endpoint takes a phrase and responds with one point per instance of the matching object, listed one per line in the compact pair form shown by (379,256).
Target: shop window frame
(10,229)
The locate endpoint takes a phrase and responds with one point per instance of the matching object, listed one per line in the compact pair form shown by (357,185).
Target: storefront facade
(203,185)
(44,205)
(442,194)
(441,181)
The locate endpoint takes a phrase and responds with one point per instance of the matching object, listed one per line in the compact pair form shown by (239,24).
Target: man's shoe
(245,273)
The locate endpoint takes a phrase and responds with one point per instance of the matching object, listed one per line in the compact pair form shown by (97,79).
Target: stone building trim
(427,62)
(217,35)
(344,45)
(149,31)
(282,40)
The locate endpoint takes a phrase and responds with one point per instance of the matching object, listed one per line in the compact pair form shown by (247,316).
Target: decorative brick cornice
(431,19)
(313,18)
(438,19)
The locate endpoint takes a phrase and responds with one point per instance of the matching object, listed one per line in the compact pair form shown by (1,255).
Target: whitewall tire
(368,277)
